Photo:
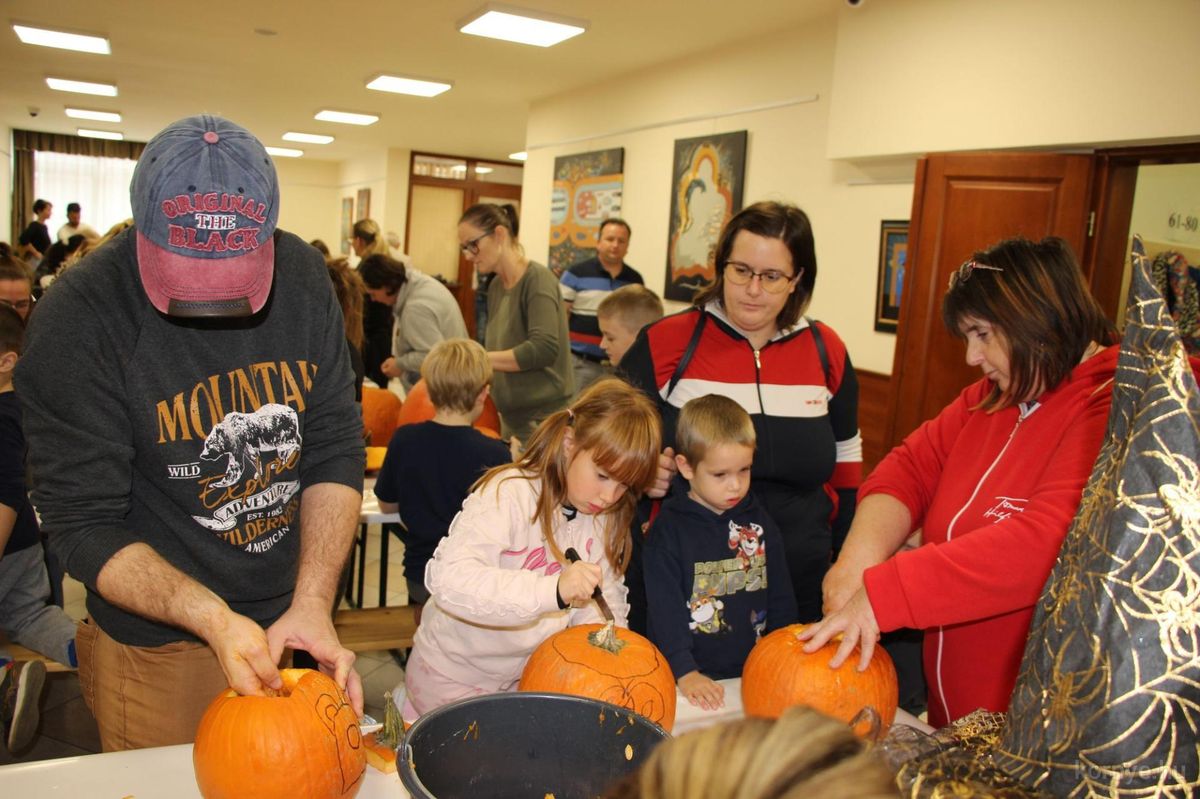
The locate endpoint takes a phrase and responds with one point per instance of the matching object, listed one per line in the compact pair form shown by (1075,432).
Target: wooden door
(963,203)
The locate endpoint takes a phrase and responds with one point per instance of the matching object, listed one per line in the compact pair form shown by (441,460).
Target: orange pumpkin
(418,408)
(302,744)
(636,677)
(779,673)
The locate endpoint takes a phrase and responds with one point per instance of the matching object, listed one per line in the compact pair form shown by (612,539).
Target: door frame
(472,189)
(1113,187)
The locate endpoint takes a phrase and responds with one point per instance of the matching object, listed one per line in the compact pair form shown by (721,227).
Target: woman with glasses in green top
(526,335)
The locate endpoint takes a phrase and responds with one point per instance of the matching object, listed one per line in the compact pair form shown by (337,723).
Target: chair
(381,415)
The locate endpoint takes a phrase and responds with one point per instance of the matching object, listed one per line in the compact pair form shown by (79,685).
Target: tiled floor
(67,728)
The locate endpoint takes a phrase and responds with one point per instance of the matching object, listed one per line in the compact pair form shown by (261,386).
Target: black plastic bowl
(524,746)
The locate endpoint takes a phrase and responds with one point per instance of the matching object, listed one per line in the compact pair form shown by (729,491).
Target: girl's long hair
(620,428)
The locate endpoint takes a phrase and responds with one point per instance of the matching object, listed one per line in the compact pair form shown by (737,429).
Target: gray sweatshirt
(195,437)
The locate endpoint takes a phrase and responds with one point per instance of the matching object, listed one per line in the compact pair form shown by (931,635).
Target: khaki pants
(145,696)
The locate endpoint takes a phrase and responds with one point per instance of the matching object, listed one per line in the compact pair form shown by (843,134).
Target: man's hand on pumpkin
(245,657)
(308,625)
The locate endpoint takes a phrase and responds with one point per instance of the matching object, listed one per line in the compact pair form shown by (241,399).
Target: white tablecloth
(161,773)
(689,717)
(167,771)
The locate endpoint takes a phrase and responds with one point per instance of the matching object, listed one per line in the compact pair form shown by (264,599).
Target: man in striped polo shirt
(584,286)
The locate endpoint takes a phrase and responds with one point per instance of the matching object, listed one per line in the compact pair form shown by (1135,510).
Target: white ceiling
(174,59)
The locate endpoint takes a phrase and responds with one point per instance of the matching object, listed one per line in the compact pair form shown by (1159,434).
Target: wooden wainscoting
(873,403)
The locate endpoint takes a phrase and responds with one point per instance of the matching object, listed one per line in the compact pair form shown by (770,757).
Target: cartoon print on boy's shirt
(712,579)
(758,620)
(706,615)
(246,424)
(747,540)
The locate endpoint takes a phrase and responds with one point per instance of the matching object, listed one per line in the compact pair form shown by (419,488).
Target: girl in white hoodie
(500,583)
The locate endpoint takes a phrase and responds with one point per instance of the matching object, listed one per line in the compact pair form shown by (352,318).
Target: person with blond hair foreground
(803,753)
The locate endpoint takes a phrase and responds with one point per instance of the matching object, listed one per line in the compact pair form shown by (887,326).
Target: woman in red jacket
(992,482)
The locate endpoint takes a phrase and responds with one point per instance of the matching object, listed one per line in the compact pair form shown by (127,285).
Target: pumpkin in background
(303,743)
(635,676)
(381,411)
(418,408)
(779,673)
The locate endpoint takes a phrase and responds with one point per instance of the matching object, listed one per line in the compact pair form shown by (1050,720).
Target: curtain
(100,185)
(25,142)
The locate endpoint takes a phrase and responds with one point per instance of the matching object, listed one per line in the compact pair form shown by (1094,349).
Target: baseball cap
(205,204)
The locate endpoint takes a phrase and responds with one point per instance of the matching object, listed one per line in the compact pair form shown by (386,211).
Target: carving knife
(597,595)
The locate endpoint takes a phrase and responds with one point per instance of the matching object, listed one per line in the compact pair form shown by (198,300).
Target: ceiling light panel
(63,40)
(417,87)
(521,156)
(94,116)
(285,152)
(88,133)
(521,26)
(307,138)
(82,87)
(346,117)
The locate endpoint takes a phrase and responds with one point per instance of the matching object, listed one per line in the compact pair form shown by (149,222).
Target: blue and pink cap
(205,204)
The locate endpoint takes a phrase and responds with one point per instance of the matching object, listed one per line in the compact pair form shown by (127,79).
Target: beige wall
(785,160)
(914,76)
(891,80)
(309,204)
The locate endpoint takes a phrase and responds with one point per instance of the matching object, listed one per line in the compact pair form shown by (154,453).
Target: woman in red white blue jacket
(992,482)
(745,338)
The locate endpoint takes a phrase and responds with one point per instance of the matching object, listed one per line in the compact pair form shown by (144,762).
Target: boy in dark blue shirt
(711,588)
(430,467)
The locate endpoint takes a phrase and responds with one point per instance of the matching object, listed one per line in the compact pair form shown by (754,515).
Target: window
(99,185)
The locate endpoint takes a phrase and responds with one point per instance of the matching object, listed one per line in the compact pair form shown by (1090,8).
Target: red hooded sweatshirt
(994,495)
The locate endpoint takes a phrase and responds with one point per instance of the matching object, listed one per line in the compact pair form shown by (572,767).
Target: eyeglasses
(472,246)
(771,280)
(963,273)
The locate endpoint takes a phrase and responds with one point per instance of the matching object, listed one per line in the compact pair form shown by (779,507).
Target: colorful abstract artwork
(587,190)
(706,179)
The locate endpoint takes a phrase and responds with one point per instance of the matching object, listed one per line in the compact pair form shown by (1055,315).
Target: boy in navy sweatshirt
(711,589)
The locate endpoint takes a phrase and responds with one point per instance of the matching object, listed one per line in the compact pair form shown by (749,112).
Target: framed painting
(347,224)
(893,256)
(364,204)
(587,190)
(707,177)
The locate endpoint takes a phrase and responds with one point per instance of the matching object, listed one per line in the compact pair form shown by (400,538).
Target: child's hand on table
(702,691)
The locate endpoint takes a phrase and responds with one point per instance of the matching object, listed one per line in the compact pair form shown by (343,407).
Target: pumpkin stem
(606,638)
(393,726)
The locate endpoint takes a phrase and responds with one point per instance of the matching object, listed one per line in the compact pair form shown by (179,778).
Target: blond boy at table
(430,467)
(716,579)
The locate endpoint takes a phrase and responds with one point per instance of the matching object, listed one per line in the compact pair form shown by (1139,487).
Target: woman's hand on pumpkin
(308,625)
(242,650)
(841,583)
(577,581)
(662,478)
(702,691)
(857,625)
